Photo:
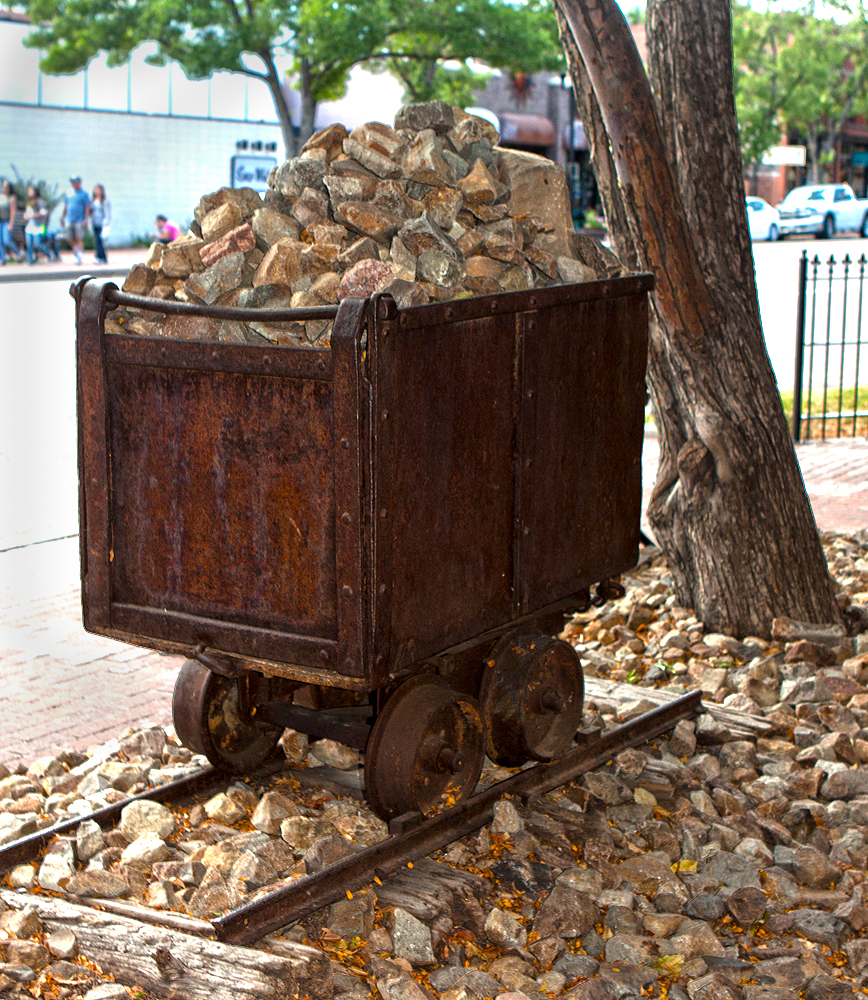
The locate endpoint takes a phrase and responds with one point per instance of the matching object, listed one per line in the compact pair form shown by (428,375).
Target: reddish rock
(238,240)
(364,279)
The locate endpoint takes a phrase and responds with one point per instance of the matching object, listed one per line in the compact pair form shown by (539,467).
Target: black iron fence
(831,349)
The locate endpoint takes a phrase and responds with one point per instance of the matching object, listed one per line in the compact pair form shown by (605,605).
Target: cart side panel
(582,426)
(223,497)
(444,473)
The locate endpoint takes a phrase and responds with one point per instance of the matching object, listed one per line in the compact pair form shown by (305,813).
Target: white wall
(148,164)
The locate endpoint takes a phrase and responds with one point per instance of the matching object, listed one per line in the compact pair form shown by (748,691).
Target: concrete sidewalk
(61,687)
(119,263)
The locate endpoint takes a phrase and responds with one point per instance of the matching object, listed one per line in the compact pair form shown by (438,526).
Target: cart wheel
(425,749)
(531,696)
(208,719)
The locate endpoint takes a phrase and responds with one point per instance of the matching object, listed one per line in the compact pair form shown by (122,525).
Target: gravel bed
(723,861)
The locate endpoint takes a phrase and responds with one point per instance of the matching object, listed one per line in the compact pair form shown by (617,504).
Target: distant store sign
(252,171)
(784,156)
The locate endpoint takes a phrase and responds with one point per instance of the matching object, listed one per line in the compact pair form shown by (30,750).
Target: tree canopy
(430,44)
(797,72)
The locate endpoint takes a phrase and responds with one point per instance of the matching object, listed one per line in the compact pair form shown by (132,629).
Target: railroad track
(411,836)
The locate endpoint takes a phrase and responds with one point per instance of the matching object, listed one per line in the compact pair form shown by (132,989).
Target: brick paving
(63,688)
(835,473)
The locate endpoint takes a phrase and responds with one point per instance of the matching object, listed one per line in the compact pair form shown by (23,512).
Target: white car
(762,219)
(824,209)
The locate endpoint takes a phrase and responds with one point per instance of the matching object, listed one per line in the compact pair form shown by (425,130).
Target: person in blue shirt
(75,215)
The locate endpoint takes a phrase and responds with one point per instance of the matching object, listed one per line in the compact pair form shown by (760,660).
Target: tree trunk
(272,78)
(308,104)
(813,144)
(728,507)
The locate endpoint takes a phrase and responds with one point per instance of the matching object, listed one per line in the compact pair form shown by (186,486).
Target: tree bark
(728,507)
(308,104)
(272,78)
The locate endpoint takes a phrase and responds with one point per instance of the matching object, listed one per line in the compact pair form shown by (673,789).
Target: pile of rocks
(719,862)
(429,210)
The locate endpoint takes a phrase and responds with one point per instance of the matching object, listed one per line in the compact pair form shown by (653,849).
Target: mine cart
(375,542)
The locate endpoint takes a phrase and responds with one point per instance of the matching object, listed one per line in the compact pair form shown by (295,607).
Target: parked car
(823,209)
(762,220)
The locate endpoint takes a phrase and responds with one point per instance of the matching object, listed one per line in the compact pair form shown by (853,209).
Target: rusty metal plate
(222,497)
(582,426)
(444,452)
(507,450)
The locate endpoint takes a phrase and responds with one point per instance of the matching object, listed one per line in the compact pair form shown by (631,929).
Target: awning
(525,130)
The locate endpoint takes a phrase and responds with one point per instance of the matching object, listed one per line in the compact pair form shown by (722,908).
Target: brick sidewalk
(63,688)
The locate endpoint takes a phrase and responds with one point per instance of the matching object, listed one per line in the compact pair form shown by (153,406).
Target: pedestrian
(100,220)
(75,215)
(167,231)
(8,210)
(35,221)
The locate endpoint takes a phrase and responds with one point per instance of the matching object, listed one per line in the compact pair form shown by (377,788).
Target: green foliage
(795,71)
(435,44)
(422,40)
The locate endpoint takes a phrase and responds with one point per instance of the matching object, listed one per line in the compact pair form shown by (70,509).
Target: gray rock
(747,905)
(97,884)
(857,953)
(61,943)
(146,817)
(334,754)
(107,991)
(411,939)
(89,840)
(270,812)
(713,986)
(731,870)
(682,739)
(625,980)
(711,732)
(506,818)
(504,930)
(394,983)
(301,831)
(349,918)
(481,983)
(805,689)
(825,987)
(822,927)
(30,953)
(693,939)
(845,784)
(144,851)
(784,972)
(565,913)
(327,851)
(633,948)
(814,869)
(704,906)
(55,872)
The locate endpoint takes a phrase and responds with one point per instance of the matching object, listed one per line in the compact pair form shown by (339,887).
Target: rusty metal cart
(374,542)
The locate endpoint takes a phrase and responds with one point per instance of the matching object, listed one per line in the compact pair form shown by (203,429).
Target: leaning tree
(728,507)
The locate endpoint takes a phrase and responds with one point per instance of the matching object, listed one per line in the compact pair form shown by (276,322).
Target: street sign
(784,156)
(252,171)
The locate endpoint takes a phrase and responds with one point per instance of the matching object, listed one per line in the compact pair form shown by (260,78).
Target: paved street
(59,686)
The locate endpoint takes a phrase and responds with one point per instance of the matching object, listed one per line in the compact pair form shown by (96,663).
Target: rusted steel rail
(414,837)
(27,848)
